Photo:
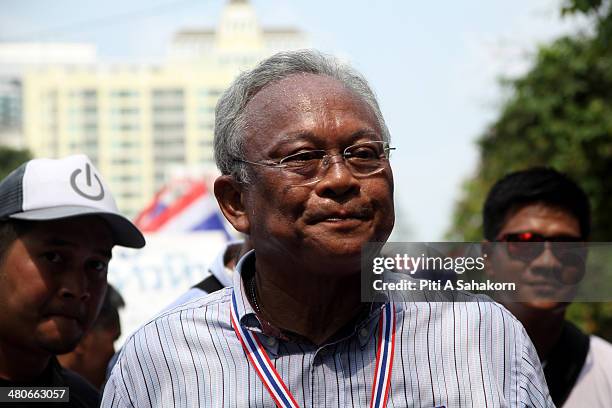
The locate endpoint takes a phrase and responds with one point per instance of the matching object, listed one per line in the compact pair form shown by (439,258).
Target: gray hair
(230,120)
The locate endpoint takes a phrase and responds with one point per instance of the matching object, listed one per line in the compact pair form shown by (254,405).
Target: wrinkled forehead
(301,97)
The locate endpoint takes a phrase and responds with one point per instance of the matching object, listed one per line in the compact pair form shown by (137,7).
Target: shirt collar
(245,269)
(246,314)
(217,267)
(364,330)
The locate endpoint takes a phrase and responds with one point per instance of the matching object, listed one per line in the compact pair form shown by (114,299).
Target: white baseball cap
(52,189)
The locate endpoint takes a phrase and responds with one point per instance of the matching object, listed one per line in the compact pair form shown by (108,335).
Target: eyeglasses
(527,246)
(309,166)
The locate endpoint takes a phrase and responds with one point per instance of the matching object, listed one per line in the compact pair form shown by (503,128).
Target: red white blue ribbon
(384,357)
(276,386)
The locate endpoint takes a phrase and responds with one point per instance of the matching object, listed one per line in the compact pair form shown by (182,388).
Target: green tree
(11,159)
(558,114)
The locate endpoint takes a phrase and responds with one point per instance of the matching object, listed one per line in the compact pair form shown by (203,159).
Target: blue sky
(433,65)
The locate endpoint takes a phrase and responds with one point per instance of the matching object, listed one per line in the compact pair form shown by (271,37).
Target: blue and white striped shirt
(451,354)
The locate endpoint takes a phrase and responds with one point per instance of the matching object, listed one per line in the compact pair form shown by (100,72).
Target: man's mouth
(341,216)
(544,287)
(69,314)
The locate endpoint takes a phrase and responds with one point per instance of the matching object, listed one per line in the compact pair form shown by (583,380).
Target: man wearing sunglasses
(304,154)
(541,219)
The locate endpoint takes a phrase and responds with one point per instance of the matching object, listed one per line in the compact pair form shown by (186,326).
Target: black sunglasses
(527,246)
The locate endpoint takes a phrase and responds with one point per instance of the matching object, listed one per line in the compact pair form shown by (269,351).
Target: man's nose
(337,177)
(546,261)
(75,285)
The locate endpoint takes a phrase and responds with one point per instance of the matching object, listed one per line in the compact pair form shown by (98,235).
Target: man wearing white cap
(58,224)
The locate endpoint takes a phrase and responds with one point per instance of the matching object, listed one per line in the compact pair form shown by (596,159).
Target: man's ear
(229,194)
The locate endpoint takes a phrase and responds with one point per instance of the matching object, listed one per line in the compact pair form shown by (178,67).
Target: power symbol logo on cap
(73,183)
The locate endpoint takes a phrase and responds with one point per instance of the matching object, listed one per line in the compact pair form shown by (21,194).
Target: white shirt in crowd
(593,388)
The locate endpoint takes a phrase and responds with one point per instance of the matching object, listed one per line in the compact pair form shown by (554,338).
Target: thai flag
(181,206)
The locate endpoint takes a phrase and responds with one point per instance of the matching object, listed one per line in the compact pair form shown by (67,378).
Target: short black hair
(535,185)
(109,313)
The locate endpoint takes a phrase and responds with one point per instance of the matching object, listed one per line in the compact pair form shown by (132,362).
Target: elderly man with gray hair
(304,154)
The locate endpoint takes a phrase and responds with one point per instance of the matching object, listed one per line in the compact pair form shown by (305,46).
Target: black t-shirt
(82,393)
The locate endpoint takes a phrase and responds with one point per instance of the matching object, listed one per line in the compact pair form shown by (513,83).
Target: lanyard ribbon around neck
(277,388)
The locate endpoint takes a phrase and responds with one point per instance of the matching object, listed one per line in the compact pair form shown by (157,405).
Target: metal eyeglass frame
(325,161)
